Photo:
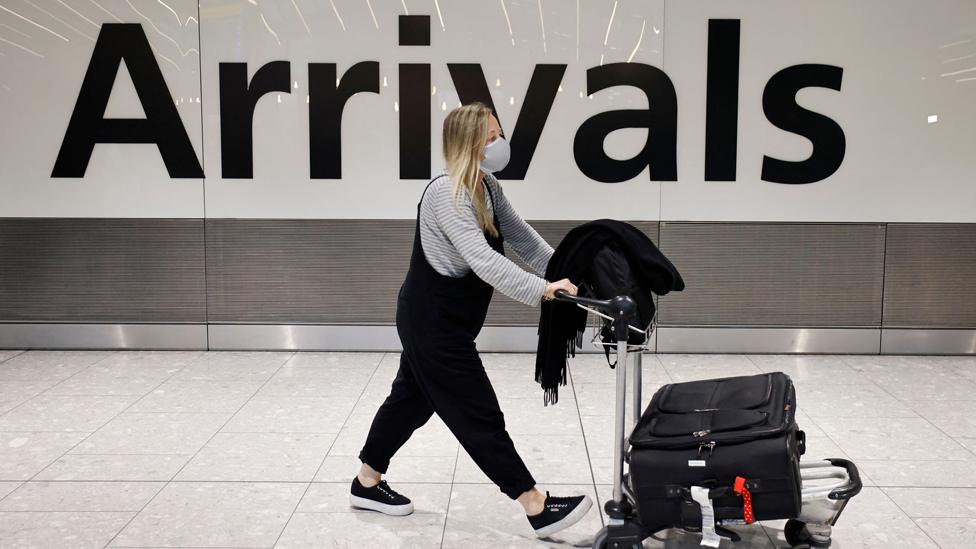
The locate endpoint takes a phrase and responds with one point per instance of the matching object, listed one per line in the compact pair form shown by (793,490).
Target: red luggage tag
(740,489)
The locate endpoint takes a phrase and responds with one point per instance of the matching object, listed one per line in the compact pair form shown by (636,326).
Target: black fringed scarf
(561,324)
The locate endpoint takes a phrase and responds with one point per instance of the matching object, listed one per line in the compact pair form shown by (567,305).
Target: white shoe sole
(572,518)
(395,510)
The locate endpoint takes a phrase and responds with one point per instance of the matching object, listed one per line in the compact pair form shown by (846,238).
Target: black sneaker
(559,513)
(380,498)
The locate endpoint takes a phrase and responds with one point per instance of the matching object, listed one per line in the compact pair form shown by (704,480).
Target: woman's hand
(563,284)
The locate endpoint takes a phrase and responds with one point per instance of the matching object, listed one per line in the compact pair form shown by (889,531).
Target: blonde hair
(464,137)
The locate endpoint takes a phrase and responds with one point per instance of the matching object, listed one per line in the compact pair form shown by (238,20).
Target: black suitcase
(708,434)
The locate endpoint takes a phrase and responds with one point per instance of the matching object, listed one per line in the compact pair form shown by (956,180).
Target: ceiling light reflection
(112,15)
(606,37)
(16,45)
(959,43)
(542,24)
(508,22)
(373,15)
(24,34)
(953,59)
(302,17)
(59,20)
(171,10)
(639,38)
(439,16)
(339,17)
(166,36)
(265,21)
(94,24)
(953,73)
(38,25)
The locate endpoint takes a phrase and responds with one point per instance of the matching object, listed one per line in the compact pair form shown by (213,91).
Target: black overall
(438,318)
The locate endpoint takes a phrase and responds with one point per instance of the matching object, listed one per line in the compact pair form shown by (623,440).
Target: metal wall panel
(306,337)
(120,275)
(101,270)
(306,271)
(505,311)
(774,274)
(921,341)
(337,271)
(674,339)
(929,276)
(89,335)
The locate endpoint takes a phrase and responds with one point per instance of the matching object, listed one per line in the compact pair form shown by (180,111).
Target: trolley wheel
(600,541)
(798,536)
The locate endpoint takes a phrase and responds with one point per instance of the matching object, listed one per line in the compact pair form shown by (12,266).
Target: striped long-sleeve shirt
(454,244)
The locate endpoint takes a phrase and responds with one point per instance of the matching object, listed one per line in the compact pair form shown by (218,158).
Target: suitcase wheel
(600,540)
(799,537)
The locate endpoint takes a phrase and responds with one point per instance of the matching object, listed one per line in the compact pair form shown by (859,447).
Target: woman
(457,259)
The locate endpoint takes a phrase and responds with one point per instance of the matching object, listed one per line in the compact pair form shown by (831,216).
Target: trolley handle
(621,307)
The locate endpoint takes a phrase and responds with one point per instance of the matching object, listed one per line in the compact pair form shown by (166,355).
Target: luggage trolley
(827,485)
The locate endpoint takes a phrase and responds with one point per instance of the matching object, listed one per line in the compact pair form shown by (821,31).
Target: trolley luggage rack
(828,485)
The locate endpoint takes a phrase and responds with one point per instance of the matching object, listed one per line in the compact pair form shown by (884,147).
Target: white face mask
(497,154)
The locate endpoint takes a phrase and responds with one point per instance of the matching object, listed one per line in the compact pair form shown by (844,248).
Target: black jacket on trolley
(583,257)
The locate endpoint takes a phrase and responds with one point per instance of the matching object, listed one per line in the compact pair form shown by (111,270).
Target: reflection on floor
(256,449)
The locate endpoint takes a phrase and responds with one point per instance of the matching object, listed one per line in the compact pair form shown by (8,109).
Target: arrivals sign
(699,110)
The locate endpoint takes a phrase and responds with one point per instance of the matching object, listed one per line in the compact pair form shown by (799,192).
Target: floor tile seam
(187,413)
(917,487)
(426,456)
(20,485)
(331,445)
(450,496)
(90,433)
(13,356)
(279,433)
(197,452)
(886,488)
(68,511)
(664,367)
(920,529)
(586,447)
(926,420)
(107,355)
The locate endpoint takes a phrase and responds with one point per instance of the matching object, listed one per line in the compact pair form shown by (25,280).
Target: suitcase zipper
(732,437)
(709,445)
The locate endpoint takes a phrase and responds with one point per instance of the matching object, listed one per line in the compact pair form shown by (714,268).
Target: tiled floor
(256,449)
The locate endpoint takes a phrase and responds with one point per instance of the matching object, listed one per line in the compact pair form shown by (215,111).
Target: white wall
(902,61)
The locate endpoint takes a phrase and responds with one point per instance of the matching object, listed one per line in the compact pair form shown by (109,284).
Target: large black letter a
(661,120)
(88,125)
